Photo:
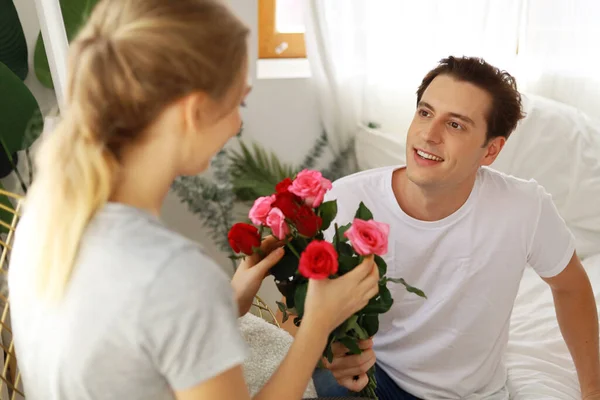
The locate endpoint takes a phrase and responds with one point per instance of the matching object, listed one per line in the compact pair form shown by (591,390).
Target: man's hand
(593,395)
(578,321)
(252,271)
(345,368)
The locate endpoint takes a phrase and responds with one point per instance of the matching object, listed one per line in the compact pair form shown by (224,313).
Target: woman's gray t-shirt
(145,311)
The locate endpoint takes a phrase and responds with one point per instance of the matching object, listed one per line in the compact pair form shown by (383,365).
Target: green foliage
(339,234)
(241,176)
(381,265)
(363,212)
(343,164)
(299,298)
(18,107)
(409,288)
(316,152)
(255,172)
(370,323)
(351,344)
(327,211)
(284,311)
(13,47)
(347,263)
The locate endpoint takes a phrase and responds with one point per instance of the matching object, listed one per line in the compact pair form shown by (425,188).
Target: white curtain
(559,52)
(368,56)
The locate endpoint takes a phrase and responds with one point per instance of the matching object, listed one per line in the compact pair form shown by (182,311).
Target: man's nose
(432,133)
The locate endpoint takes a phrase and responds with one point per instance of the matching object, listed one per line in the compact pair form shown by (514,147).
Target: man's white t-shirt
(469,264)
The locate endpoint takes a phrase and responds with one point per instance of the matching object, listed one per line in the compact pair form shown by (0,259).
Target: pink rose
(368,237)
(260,210)
(311,187)
(276,221)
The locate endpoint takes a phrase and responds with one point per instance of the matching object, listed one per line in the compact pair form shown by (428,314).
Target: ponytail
(130,61)
(75,180)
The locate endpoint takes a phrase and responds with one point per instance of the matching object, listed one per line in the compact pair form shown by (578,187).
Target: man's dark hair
(506,109)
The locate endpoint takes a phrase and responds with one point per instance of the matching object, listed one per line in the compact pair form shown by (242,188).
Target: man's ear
(493,148)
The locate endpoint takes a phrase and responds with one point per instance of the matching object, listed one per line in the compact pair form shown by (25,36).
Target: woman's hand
(252,271)
(332,301)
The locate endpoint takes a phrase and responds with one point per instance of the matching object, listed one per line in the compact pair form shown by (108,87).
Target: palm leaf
(255,172)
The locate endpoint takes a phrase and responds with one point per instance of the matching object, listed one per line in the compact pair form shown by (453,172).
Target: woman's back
(145,310)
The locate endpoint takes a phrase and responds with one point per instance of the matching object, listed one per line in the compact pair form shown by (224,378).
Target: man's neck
(429,204)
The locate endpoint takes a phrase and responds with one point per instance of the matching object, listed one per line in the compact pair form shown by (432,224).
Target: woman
(107,303)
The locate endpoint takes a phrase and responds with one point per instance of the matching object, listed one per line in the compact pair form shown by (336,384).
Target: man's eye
(455,125)
(423,113)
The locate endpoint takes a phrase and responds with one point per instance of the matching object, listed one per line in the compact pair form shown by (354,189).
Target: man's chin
(422,178)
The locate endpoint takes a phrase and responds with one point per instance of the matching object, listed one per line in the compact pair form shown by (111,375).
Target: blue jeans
(387,389)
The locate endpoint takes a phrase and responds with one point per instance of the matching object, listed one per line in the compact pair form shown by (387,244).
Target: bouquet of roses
(297,215)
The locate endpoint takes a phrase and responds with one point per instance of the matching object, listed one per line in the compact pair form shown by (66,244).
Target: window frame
(269,39)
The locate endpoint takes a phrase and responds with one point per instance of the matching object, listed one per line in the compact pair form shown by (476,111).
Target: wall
(281,114)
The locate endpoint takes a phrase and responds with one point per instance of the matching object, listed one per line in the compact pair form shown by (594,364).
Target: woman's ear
(193,112)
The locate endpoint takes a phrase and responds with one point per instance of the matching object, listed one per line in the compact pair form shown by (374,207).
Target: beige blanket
(267,346)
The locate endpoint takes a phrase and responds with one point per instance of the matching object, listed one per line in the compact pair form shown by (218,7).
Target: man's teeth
(429,156)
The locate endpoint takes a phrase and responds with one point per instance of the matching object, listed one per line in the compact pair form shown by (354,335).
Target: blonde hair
(131,60)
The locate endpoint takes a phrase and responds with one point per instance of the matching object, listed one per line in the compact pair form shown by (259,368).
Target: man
(463,233)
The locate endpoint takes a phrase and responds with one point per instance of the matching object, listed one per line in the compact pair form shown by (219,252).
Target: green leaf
(327,212)
(345,249)
(409,288)
(339,235)
(300,298)
(284,311)
(18,107)
(281,306)
(381,265)
(328,354)
(370,323)
(13,47)
(347,263)
(360,332)
(363,212)
(351,344)
(386,296)
(381,303)
(75,13)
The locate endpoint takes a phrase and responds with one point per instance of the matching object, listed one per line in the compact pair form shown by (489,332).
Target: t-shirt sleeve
(189,321)
(552,244)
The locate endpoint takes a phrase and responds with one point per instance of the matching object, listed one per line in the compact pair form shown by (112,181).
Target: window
(281,29)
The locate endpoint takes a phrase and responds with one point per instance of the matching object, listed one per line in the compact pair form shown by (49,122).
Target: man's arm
(578,320)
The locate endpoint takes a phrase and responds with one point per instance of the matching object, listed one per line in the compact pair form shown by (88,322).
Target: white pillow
(559,147)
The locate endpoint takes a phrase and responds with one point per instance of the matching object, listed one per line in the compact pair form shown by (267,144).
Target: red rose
(243,237)
(307,222)
(303,217)
(319,260)
(283,186)
(288,203)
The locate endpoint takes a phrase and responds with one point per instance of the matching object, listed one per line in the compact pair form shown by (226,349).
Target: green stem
(291,246)
(337,239)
